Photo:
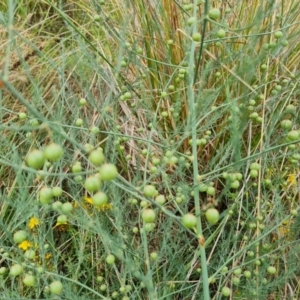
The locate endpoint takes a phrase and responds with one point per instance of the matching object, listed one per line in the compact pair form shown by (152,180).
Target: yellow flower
(48,255)
(88,200)
(25,245)
(284,231)
(75,204)
(292,179)
(33,222)
(106,207)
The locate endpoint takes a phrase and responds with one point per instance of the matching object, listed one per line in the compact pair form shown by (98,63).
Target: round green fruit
(30,254)
(29,280)
(191,21)
(108,172)
(53,152)
(226,291)
(278,34)
(293,135)
(149,227)
(254,173)
(95,130)
(210,191)
(92,184)
(56,287)
(290,108)
(57,191)
(34,122)
(76,168)
(196,37)
(221,33)
(286,124)
(82,102)
(263,67)
(56,206)
(97,18)
(271,270)
(160,199)
(148,215)
(110,259)
(237,271)
(189,221)
(99,199)
(16,270)
(236,280)
(66,208)
(202,187)
(153,255)
(36,159)
(20,236)
(247,274)
(22,116)
(79,122)
(46,195)
(62,219)
(294,212)
(214,13)
(255,166)
(150,191)
(212,216)
(96,157)
(235,184)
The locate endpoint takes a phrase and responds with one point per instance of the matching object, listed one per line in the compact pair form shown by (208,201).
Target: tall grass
(209,121)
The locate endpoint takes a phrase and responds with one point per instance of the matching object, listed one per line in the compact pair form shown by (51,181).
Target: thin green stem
(191,123)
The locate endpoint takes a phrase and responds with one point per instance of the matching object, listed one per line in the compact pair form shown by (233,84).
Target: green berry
(57,191)
(271,270)
(286,124)
(293,135)
(16,270)
(221,33)
(46,195)
(110,259)
(210,191)
(92,184)
(62,219)
(189,221)
(53,152)
(82,102)
(212,216)
(226,291)
(214,13)
(96,157)
(56,287)
(108,172)
(22,116)
(29,280)
(66,208)
(196,37)
(99,199)
(278,34)
(20,236)
(150,191)
(148,215)
(36,159)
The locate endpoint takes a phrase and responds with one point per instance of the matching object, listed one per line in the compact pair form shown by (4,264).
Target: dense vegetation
(149,149)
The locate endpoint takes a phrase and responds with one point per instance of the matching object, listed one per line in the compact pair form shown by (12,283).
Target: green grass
(177,114)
